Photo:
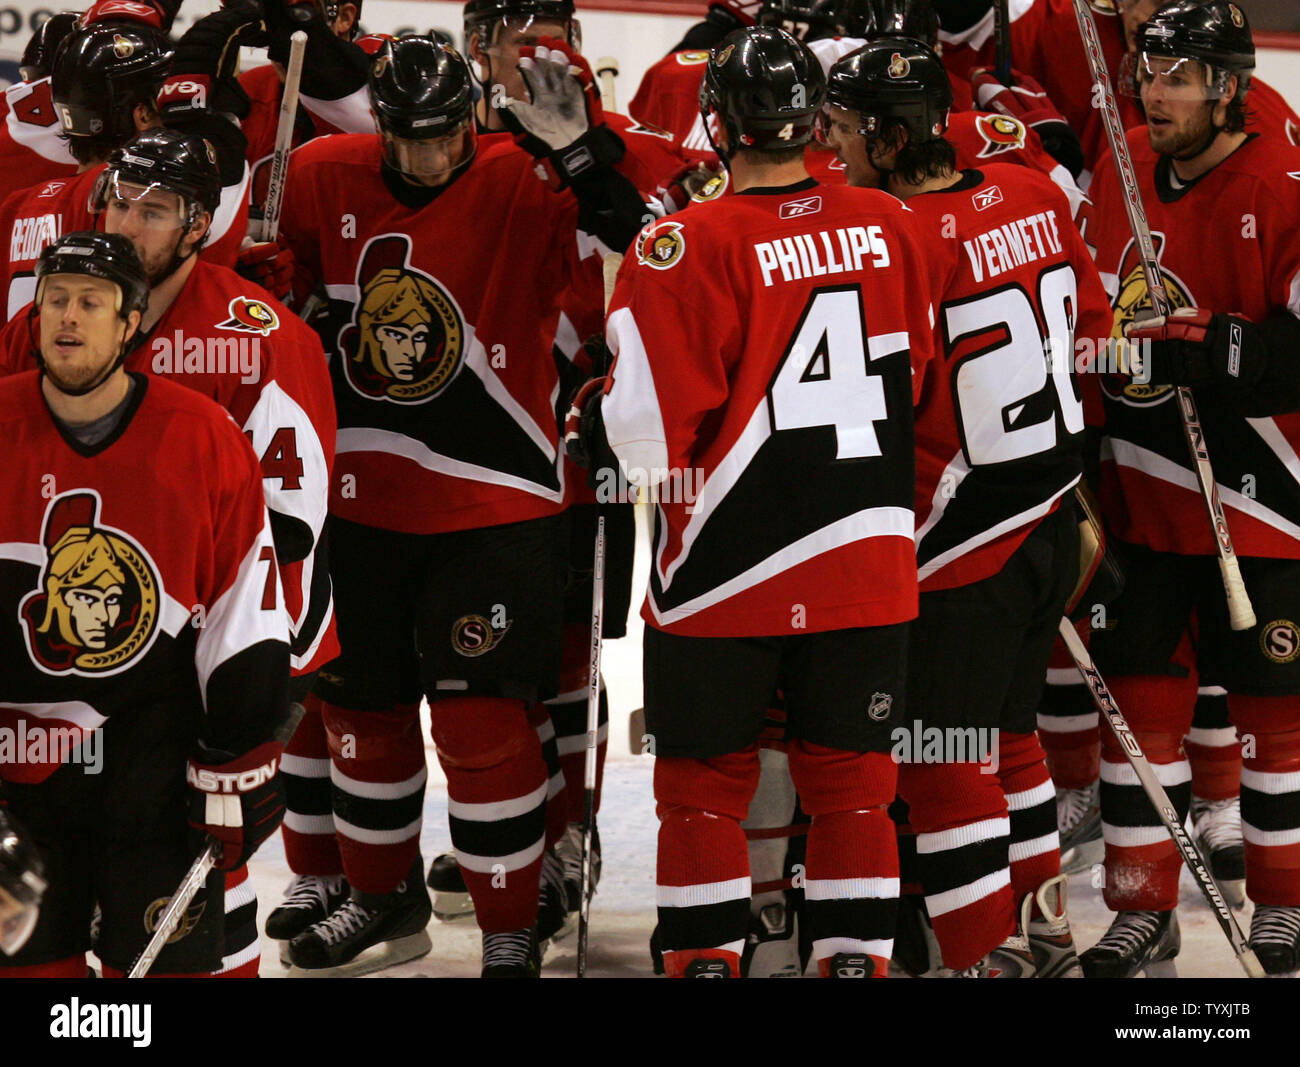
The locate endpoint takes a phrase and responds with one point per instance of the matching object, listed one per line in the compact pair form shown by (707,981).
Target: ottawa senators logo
(899,67)
(1238,19)
(724,55)
(662,245)
(1134,302)
(188,921)
(406,341)
(1279,640)
(713,188)
(250,316)
(1000,133)
(474,635)
(96,611)
(122,48)
(690,59)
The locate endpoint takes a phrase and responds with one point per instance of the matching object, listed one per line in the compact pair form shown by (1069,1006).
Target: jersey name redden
(1013,244)
(812,255)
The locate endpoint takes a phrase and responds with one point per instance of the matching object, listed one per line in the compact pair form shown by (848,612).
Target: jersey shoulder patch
(661,245)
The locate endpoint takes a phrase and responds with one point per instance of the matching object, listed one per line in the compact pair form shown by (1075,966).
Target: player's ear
(195,233)
(145,117)
(475,48)
(132,325)
(345,20)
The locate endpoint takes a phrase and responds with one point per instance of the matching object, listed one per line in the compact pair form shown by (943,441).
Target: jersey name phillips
(1013,244)
(811,255)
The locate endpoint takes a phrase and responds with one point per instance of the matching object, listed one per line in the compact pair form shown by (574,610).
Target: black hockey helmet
(811,20)
(766,87)
(419,88)
(896,78)
(904,18)
(1212,32)
(102,71)
(100,255)
(482,17)
(38,56)
(180,163)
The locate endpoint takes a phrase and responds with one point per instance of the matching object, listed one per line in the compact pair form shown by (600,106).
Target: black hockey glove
(239,800)
(563,122)
(1196,347)
(204,74)
(1026,101)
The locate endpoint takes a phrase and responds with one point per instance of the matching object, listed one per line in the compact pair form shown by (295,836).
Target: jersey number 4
(1004,409)
(823,377)
(281,459)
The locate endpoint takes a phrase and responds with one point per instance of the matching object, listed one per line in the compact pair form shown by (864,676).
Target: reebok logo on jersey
(97,607)
(793,209)
(50,189)
(986,198)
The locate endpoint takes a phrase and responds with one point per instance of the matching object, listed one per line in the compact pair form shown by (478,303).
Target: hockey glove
(269,264)
(583,428)
(238,800)
(1196,347)
(676,193)
(204,74)
(563,122)
(1024,99)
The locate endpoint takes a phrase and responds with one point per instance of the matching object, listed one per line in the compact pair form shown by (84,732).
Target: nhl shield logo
(661,246)
(96,611)
(881,705)
(406,340)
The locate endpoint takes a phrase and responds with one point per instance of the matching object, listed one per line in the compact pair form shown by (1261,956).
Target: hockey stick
(1160,800)
(606,71)
(1002,39)
(269,225)
(1240,614)
(197,875)
(593,741)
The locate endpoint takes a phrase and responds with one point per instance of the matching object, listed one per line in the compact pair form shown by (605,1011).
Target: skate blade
(1163,969)
(1083,857)
(567,929)
(448,907)
(1234,891)
(285,959)
(375,958)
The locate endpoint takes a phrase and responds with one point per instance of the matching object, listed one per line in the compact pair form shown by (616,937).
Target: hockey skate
(367,932)
(850,965)
(515,954)
(1049,936)
(718,968)
(554,919)
(1275,937)
(1078,821)
(1216,829)
(451,899)
(1146,941)
(308,900)
(1014,958)
(569,849)
(916,949)
(772,944)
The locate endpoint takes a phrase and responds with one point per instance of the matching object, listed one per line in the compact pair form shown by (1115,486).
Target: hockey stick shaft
(269,226)
(1002,39)
(593,742)
(606,71)
(1241,615)
(197,875)
(1160,799)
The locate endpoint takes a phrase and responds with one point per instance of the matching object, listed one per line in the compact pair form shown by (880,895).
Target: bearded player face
(1181,110)
(839,129)
(153,219)
(81,331)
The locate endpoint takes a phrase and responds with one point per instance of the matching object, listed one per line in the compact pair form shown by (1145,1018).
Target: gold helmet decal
(662,245)
(690,59)
(122,47)
(1000,133)
(899,67)
(1134,302)
(724,55)
(406,341)
(96,611)
(1238,19)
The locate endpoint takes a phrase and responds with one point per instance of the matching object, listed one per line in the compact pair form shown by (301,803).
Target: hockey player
(795,560)
(142,628)
(1222,206)
(112,81)
(449,475)
(999,432)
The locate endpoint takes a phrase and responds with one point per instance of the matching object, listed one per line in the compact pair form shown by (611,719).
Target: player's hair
(917,160)
(98,147)
(393,295)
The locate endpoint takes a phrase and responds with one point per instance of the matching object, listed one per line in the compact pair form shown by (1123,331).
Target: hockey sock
(703,862)
(569,713)
(963,834)
(496,804)
(851,887)
(557,814)
(1142,862)
(309,843)
(378,775)
(1270,796)
(1212,747)
(769,824)
(1067,722)
(1035,851)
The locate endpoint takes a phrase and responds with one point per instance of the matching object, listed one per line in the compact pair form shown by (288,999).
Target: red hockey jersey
(31,149)
(233,342)
(767,344)
(443,318)
(668,98)
(999,428)
(138,583)
(1227,242)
